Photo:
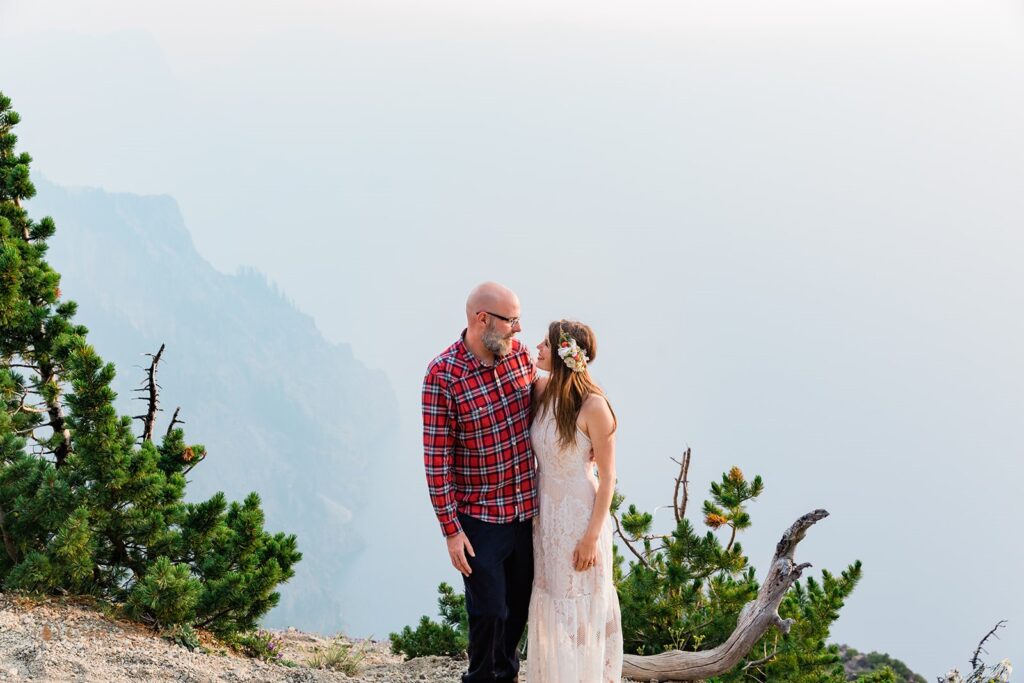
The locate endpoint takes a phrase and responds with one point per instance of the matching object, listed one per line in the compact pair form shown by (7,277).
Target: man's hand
(458,546)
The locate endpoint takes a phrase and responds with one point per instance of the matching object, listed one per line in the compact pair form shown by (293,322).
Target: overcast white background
(795,227)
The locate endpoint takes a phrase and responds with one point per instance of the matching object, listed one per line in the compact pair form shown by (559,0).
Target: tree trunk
(755,619)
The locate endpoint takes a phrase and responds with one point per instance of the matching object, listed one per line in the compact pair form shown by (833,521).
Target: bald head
(493,297)
(492,320)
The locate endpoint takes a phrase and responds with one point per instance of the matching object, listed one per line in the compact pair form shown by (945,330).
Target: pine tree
(86,505)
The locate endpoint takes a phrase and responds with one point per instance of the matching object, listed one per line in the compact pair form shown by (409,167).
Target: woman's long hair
(567,389)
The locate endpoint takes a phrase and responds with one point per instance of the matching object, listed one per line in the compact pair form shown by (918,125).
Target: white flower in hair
(571,353)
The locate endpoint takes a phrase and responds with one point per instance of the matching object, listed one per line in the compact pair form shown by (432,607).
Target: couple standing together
(510,459)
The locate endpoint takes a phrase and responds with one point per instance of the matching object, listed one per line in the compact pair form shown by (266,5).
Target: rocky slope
(57,641)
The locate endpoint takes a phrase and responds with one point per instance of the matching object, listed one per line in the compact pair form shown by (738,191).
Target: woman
(574,630)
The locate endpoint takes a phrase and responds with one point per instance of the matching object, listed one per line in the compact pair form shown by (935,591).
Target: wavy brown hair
(567,390)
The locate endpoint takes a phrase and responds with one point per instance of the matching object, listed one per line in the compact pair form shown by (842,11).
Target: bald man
(480,475)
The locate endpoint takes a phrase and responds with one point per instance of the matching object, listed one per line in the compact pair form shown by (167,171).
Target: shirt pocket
(477,423)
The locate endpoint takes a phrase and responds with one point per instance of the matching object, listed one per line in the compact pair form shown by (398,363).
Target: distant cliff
(280,409)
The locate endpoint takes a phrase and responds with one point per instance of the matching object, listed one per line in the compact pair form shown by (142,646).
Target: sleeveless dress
(574,632)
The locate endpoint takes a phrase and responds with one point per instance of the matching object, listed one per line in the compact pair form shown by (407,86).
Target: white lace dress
(574,632)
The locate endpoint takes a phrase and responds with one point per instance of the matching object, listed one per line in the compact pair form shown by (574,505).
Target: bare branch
(976,659)
(174,421)
(763,660)
(149,419)
(27,409)
(681,483)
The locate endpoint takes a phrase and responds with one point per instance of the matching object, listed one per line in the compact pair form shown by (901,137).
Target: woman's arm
(598,423)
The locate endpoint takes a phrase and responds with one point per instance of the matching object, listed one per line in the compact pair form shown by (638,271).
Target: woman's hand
(584,556)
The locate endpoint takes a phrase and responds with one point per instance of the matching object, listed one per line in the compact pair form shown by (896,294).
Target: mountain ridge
(282,410)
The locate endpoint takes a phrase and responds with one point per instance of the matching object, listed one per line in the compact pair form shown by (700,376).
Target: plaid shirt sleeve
(438,450)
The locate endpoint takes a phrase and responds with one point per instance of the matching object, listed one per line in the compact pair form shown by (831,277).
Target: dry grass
(338,656)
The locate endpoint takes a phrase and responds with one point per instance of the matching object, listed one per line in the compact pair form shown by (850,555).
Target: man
(480,475)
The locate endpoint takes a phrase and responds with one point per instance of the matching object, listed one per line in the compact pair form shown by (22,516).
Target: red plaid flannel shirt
(476,436)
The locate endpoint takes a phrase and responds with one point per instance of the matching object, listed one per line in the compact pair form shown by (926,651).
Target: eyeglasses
(511,321)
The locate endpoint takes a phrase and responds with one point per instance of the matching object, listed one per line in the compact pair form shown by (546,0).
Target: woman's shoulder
(596,408)
(595,402)
(595,415)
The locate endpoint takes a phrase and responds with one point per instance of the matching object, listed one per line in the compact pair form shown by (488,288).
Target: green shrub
(262,645)
(447,638)
(184,636)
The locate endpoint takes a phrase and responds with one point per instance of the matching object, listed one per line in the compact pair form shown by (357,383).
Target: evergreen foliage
(447,638)
(86,506)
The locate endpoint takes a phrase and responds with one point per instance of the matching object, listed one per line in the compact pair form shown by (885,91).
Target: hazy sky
(795,226)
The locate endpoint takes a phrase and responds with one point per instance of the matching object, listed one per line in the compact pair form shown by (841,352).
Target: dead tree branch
(682,486)
(153,398)
(174,421)
(976,658)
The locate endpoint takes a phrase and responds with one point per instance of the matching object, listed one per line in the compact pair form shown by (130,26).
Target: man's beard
(495,343)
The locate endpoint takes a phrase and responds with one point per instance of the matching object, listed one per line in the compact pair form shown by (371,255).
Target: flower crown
(571,353)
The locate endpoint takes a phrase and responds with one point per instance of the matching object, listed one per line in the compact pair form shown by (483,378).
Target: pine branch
(48,374)
(618,530)
(215,617)
(12,549)
(22,408)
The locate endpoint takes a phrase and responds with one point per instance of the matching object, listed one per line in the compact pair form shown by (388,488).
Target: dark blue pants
(497,597)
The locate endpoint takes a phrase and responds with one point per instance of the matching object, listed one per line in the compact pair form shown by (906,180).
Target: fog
(795,228)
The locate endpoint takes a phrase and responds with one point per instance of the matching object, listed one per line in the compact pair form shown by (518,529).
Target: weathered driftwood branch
(755,619)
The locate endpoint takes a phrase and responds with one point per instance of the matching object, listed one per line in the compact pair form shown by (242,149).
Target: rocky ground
(68,641)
